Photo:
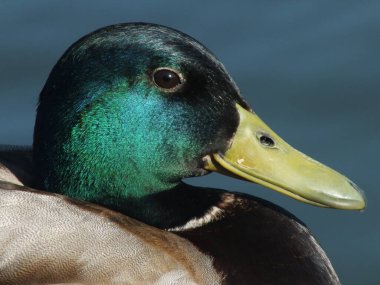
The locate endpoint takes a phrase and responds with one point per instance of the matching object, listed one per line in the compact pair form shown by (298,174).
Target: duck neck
(111,149)
(167,209)
(92,179)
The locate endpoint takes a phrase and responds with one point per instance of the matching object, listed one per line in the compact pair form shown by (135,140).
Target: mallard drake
(128,112)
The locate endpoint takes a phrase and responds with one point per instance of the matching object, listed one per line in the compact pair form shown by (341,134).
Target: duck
(126,114)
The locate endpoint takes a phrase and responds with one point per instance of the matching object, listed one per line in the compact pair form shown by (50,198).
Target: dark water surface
(310,69)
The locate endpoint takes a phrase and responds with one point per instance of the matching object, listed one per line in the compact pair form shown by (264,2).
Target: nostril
(266,140)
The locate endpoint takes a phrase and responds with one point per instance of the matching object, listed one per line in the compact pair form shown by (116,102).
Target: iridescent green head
(130,110)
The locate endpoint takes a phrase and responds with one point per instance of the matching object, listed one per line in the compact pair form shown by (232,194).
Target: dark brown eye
(167,79)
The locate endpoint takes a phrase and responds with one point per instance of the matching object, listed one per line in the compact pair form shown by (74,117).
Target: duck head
(129,110)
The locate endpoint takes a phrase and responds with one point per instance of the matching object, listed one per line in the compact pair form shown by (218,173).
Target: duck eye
(167,79)
(266,141)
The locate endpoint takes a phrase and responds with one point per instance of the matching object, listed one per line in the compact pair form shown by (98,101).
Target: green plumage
(106,132)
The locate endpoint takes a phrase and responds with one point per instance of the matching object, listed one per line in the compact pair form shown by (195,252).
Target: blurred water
(310,69)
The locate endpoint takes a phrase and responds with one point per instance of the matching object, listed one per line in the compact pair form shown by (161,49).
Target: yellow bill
(259,155)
